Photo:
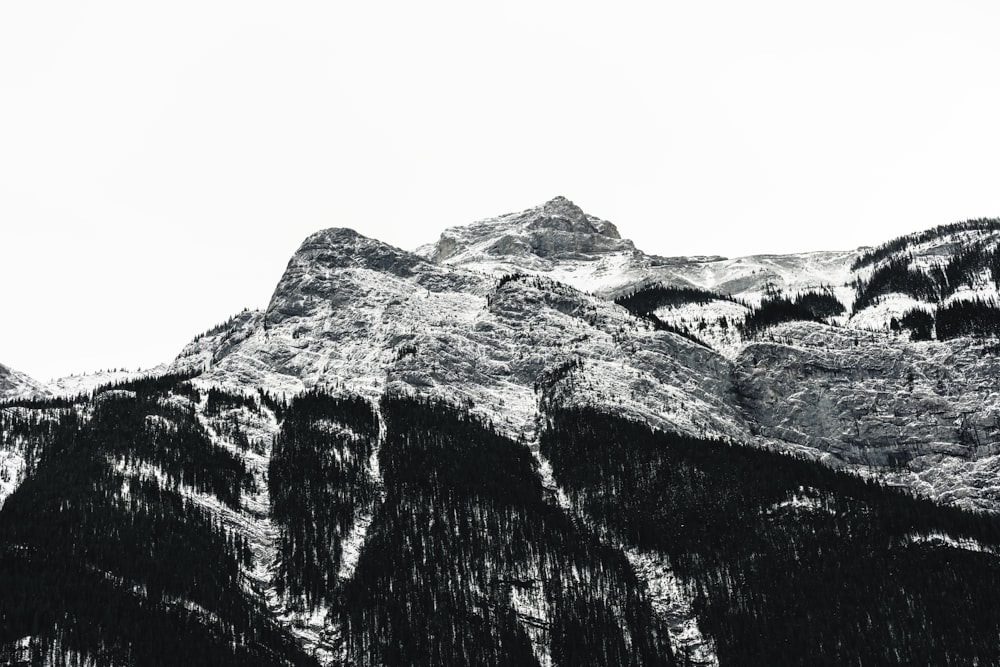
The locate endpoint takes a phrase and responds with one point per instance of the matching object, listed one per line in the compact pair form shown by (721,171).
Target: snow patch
(937,538)
(354,541)
(672,602)
(12,468)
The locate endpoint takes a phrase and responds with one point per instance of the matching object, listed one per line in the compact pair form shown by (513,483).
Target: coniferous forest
(775,309)
(100,561)
(789,562)
(319,480)
(464,529)
(648,299)
(468,558)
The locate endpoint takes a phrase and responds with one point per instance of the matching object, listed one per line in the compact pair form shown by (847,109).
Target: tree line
(902,242)
(319,481)
(788,562)
(466,525)
(775,309)
(101,561)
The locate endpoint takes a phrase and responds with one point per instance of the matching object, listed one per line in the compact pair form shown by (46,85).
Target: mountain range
(530,442)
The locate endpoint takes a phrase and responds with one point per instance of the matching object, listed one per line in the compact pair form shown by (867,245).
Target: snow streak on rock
(313,628)
(354,541)
(12,466)
(14,384)
(968,544)
(673,603)
(670,600)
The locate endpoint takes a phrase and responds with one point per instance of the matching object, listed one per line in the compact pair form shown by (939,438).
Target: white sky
(160,162)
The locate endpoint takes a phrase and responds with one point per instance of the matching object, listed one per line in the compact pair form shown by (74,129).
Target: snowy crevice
(672,602)
(315,628)
(12,470)
(311,627)
(942,539)
(354,541)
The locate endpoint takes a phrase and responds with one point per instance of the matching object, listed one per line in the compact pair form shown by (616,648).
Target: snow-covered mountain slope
(924,414)
(14,384)
(355,313)
(514,320)
(85,383)
(511,314)
(924,271)
(749,278)
(559,240)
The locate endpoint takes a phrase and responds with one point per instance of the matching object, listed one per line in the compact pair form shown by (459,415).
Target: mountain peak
(556,229)
(562,214)
(343,247)
(562,206)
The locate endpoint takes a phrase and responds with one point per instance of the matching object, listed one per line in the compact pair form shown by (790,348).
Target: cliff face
(558,229)
(14,384)
(357,313)
(502,314)
(926,414)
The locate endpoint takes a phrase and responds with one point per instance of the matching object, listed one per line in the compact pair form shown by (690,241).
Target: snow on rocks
(12,467)
(355,313)
(889,307)
(672,602)
(312,627)
(14,384)
(941,539)
(86,383)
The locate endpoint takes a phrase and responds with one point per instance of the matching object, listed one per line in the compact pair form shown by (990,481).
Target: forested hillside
(789,562)
(468,563)
(111,551)
(104,559)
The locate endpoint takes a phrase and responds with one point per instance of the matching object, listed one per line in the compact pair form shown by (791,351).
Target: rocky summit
(556,230)
(530,442)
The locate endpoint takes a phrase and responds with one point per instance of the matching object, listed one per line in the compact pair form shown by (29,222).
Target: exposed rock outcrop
(14,384)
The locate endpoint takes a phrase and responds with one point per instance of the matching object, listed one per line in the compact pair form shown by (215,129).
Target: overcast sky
(160,162)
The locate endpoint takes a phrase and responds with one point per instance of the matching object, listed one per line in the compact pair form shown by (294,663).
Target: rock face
(355,312)
(925,414)
(14,384)
(869,398)
(511,314)
(558,229)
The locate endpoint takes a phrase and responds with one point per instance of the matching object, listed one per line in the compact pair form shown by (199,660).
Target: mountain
(559,240)
(544,237)
(532,443)
(502,309)
(14,384)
